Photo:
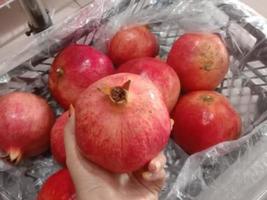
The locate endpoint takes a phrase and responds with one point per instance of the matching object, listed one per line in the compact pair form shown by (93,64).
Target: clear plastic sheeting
(22,182)
(233,170)
(171,16)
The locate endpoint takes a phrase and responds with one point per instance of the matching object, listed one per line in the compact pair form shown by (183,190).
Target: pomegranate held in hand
(26,121)
(200,59)
(161,74)
(203,119)
(59,186)
(121,122)
(74,69)
(133,42)
(57,138)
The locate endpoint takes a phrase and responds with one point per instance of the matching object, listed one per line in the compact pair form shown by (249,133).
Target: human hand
(94,182)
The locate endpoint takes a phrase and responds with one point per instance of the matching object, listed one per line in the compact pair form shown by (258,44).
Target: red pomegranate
(200,60)
(203,119)
(74,69)
(57,139)
(161,74)
(25,124)
(121,122)
(133,42)
(59,186)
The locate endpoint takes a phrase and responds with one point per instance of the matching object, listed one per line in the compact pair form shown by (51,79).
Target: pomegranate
(74,69)
(121,122)
(161,74)
(132,42)
(25,124)
(200,60)
(203,119)
(59,186)
(57,139)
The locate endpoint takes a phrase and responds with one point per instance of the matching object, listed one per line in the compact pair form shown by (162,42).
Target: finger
(69,138)
(160,175)
(157,164)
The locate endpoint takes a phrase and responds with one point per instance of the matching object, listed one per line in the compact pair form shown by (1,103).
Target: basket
(194,177)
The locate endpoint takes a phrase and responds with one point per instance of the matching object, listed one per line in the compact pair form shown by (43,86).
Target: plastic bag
(231,170)
(171,15)
(200,176)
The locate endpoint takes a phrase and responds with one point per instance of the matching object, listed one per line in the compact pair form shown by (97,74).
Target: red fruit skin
(74,69)
(57,139)
(201,61)
(131,43)
(203,119)
(25,124)
(160,73)
(122,138)
(59,186)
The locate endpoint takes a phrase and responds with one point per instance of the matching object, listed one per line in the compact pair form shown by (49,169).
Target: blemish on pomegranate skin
(60,72)
(207,99)
(208,66)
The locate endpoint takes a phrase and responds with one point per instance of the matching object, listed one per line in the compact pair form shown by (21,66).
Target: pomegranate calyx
(105,90)
(126,85)
(119,94)
(14,155)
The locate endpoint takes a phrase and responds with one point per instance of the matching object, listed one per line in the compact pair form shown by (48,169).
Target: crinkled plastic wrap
(232,170)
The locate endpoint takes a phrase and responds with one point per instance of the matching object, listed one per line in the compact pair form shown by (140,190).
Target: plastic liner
(231,170)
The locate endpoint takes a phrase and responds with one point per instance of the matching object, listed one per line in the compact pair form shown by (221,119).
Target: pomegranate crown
(117,94)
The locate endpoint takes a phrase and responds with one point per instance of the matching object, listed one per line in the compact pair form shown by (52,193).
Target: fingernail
(71,110)
(172,123)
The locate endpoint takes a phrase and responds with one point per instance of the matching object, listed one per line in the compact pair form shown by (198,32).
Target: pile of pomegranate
(125,104)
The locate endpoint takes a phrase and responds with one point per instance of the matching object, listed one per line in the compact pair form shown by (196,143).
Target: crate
(245,85)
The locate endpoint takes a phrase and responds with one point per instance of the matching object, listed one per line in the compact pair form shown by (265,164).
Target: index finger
(69,138)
